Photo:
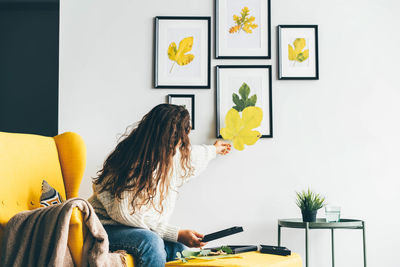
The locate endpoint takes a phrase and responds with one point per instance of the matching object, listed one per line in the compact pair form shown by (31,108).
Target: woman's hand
(223,147)
(190,238)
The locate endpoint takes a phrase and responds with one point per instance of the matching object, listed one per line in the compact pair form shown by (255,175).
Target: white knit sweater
(112,211)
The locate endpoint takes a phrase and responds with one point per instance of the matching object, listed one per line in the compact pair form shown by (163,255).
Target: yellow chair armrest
(76,235)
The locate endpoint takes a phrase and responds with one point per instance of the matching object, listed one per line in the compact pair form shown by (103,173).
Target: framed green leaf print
(244,103)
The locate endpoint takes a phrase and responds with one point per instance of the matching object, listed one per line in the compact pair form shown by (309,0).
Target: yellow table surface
(248,259)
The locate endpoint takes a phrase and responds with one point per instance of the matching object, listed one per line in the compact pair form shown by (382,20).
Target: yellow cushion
(248,259)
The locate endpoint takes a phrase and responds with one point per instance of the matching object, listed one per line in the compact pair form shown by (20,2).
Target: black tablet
(223,233)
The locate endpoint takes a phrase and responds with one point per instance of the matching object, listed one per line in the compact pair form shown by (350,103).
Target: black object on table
(282,251)
(223,233)
(237,249)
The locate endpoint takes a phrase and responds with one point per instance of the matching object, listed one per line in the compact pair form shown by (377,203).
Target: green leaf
(252,100)
(240,106)
(227,250)
(244,91)
(235,99)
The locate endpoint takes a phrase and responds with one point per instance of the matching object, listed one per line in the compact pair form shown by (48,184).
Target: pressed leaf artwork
(240,129)
(178,54)
(297,52)
(244,100)
(244,22)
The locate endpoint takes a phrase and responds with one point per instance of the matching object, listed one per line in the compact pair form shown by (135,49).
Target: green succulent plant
(309,200)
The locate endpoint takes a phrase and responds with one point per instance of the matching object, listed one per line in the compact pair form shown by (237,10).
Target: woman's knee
(146,246)
(151,249)
(172,248)
(152,241)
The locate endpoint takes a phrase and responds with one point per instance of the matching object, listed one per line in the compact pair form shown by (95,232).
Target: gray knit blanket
(39,238)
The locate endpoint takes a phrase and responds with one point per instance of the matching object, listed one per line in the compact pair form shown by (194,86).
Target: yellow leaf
(299,44)
(253,25)
(179,54)
(234,29)
(233,123)
(247,137)
(297,53)
(246,28)
(244,22)
(239,130)
(252,117)
(172,51)
(292,55)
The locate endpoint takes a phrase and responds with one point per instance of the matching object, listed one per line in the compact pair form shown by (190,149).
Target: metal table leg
(333,248)
(279,235)
(307,227)
(364,246)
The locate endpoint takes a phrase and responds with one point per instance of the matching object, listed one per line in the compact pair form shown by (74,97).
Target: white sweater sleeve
(120,211)
(201,155)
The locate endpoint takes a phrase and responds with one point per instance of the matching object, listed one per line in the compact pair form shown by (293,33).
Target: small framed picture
(239,87)
(182,52)
(243,29)
(298,52)
(184,100)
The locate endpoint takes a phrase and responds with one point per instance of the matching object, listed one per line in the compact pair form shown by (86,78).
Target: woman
(135,192)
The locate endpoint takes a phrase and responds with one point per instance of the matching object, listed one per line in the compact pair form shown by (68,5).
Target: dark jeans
(147,247)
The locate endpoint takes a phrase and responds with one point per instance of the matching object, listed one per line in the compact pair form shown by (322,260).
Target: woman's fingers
(227,148)
(196,240)
(197,234)
(223,147)
(198,244)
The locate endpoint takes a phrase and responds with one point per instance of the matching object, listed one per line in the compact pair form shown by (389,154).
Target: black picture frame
(156,56)
(279,42)
(217,41)
(192,97)
(218,94)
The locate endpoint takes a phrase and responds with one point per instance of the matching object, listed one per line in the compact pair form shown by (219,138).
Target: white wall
(339,135)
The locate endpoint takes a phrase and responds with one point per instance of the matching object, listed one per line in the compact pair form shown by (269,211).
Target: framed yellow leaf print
(243,29)
(298,52)
(244,103)
(182,52)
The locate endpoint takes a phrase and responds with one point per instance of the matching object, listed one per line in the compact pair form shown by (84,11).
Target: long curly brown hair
(142,162)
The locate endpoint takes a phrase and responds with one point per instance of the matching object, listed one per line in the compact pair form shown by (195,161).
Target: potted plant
(309,203)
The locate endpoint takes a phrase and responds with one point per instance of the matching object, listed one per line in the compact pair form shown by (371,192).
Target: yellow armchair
(26,160)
